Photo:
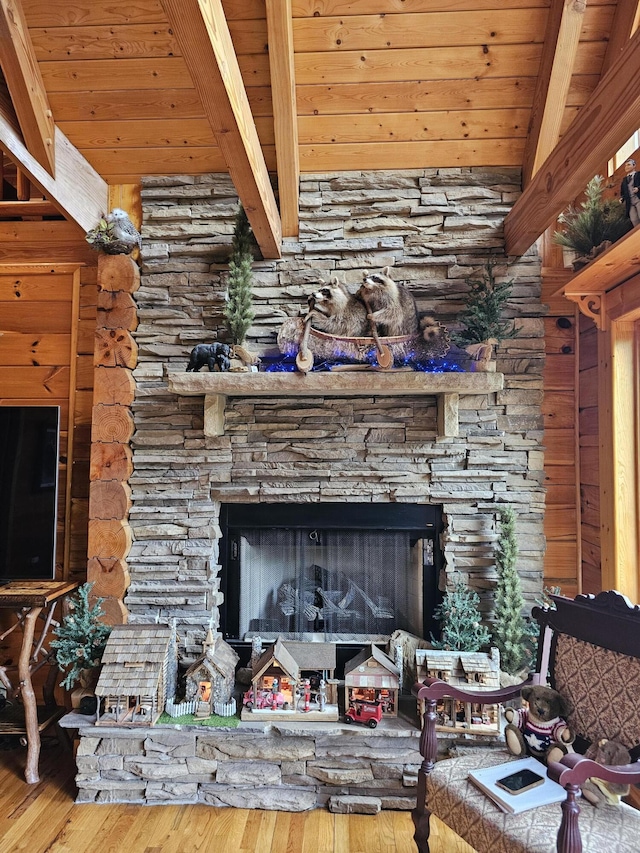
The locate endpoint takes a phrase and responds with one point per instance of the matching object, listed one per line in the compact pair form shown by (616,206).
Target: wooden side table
(30,600)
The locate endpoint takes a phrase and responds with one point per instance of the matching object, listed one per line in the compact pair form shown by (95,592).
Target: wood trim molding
(26,87)
(202,32)
(285,118)
(562,36)
(604,123)
(617,413)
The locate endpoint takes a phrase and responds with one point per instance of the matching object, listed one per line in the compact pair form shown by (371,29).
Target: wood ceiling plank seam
(431,29)
(432,63)
(308,8)
(605,122)
(203,34)
(285,119)
(410,155)
(26,86)
(414,126)
(562,35)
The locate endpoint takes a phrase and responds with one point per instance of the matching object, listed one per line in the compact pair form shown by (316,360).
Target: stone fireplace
(436,454)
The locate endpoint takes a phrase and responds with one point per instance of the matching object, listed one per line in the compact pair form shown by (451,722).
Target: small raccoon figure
(392,306)
(337,312)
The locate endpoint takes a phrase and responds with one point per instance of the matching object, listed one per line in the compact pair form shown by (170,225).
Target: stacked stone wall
(435,228)
(271,767)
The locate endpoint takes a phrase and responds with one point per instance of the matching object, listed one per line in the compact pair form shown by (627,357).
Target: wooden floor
(43,817)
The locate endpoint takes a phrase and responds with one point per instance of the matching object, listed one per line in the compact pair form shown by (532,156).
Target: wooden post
(115,356)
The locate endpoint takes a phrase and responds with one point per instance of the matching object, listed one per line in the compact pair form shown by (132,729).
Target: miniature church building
(211,677)
(372,676)
(468,670)
(138,665)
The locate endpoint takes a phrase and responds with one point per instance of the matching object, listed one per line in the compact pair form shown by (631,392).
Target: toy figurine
(213,355)
(630,191)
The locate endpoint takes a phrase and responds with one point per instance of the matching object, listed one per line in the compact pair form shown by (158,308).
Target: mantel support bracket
(592,305)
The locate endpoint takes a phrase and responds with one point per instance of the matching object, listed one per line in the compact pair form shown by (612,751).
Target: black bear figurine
(211,355)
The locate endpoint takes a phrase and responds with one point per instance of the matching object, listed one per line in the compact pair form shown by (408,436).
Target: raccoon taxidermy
(337,312)
(392,307)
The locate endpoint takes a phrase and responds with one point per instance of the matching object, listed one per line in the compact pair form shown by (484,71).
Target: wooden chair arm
(575,769)
(435,688)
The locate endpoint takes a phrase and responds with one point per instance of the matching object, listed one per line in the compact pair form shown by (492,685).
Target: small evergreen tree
(482,312)
(460,621)
(513,635)
(596,219)
(81,636)
(238,310)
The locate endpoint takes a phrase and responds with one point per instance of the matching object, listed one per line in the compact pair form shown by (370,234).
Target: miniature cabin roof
(371,678)
(316,656)
(218,657)
(133,660)
(276,653)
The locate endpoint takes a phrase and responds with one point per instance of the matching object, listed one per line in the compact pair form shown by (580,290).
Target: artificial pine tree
(238,310)
(482,312)
(460,621)
(512,635)
(595,221)
(81,636)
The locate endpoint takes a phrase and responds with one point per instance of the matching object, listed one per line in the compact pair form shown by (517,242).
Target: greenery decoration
(238,310)
(514,636)
(461,628)
(594,221)
(482,312)
(81,636)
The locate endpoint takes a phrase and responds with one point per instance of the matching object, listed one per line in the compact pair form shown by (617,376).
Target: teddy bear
(540,729)
(611,753)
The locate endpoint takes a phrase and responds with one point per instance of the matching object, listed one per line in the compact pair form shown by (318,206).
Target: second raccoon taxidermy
(392,306)
(337,312)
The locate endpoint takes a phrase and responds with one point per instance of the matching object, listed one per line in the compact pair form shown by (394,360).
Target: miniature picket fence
(225,709)
(180,709)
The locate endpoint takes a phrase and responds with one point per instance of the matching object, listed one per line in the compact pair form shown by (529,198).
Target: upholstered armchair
(589,650)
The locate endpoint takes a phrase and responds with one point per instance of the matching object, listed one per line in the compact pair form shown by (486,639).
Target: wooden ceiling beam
(77,190)
(201,30)
(22,75)
(625,23)
(562,35)
(285,118)
(606,121)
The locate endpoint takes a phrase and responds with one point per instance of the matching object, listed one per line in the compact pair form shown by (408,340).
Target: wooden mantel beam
(562,35)
(201,30)
(24,80)
(604,123)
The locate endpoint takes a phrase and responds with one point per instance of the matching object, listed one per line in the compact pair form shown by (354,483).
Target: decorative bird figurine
(122,228)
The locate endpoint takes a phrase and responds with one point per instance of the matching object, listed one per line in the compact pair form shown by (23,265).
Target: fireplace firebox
(330,572)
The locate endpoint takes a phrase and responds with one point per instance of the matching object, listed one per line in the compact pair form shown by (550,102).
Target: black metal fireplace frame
(421,520)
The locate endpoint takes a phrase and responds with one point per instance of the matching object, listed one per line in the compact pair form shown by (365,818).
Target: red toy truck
(367,713)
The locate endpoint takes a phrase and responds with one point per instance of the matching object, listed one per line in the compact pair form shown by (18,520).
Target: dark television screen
(29,438)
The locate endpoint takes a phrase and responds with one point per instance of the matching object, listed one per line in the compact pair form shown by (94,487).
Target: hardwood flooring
(43,818)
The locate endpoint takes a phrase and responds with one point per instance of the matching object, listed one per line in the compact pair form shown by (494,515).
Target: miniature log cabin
(135,671)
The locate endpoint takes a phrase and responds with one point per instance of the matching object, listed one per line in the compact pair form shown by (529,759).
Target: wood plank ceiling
(354,84)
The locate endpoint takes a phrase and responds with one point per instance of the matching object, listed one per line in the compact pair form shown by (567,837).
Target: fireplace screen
(318,583)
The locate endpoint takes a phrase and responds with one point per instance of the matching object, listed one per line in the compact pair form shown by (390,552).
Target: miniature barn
(211,677)
(372,676)
(476,670)
(134,676)
(279,689)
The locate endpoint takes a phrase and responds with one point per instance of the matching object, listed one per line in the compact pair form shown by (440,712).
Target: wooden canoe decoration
(299,339)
